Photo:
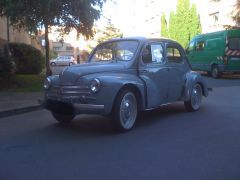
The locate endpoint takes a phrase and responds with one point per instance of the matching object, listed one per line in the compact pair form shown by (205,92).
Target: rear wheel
(125,111)
(215,71)
(195,100)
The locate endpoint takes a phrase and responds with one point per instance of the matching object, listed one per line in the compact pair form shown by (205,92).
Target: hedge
(28,59)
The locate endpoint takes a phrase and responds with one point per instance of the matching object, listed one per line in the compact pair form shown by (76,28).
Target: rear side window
(234,43)
(173,55)
(200,46)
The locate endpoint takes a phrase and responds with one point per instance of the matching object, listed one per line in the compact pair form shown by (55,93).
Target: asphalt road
(168,143)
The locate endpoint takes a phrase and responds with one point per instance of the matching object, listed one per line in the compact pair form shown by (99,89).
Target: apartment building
(217,16)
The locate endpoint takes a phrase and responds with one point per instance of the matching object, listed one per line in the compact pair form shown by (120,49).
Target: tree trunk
(48,70)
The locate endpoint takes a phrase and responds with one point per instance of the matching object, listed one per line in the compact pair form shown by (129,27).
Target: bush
(28,59)
(7,65)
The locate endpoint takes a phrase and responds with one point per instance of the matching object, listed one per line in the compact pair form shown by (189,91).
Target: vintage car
(123,77)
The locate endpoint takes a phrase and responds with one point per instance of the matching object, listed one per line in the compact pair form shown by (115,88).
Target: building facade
(15,35)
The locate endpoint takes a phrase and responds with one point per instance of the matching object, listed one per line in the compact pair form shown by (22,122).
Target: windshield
(115,51)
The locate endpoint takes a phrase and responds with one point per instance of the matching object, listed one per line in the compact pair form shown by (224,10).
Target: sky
(125,14)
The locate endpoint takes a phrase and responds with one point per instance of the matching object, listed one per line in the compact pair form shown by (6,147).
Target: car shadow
(148,118)
(100,125)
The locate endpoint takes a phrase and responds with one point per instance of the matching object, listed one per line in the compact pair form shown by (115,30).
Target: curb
(22,110)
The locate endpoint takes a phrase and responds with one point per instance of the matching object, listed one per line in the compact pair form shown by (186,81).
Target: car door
(177,71)
(154,73)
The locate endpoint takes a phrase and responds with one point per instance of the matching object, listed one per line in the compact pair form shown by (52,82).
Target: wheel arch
(191,79)
(135,90)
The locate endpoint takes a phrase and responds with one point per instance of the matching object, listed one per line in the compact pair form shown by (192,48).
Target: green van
(215,52)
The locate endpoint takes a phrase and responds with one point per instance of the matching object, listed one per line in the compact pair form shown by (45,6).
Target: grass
(22,83)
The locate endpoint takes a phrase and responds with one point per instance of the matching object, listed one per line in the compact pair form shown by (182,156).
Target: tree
(185,23)
(164,29)
(172,26)
(109,32)
(66,14)
(195,25)
(236,13)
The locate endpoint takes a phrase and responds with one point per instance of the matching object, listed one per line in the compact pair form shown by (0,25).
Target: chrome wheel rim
(196,97)
(128,110)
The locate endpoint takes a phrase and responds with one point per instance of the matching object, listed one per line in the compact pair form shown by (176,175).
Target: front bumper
(76,108)
(77,98)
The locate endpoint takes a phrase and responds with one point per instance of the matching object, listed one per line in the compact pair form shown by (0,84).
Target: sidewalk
(13,103)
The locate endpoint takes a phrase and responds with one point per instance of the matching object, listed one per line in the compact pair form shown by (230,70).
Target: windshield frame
(91,60)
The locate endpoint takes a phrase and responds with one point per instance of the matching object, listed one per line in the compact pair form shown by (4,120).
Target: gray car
(123,77)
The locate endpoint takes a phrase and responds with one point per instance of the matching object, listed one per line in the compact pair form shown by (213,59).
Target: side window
(173,55)
(153,54)
(234,43)
(200,46)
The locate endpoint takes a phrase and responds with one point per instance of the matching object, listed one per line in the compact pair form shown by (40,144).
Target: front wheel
(63,118)
(195,100)
(125,111)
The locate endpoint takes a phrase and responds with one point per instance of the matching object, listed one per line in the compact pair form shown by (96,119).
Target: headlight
(47,83)
(95,85)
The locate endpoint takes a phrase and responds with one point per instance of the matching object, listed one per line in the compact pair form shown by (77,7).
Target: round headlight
(95,85)
(47,83)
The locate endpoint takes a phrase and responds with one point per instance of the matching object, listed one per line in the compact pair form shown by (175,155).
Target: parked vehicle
(123,77)
(215,52)
(63,61)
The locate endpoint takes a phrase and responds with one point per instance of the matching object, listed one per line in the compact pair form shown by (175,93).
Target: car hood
(72,73)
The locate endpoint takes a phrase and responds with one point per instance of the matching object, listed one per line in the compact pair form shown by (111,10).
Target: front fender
(111,84)
(193,78)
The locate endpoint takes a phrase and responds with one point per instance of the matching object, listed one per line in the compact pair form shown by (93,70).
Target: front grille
(68,91)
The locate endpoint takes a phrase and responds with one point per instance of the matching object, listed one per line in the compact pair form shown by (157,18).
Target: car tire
(63,118)
(215,71)
(70,64)
(53,64)
(125,111)
(194,103)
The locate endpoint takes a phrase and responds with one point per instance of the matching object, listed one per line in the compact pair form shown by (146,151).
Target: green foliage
(65,14)
(28,59)
(172,26)
(195,26)
(22,83)
(7,65)
(164,29)
(185,23)
(109,32)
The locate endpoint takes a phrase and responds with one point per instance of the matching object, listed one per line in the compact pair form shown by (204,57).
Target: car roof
(142,39)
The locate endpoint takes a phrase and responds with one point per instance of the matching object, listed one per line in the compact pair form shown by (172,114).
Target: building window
(69,48)
(214,18)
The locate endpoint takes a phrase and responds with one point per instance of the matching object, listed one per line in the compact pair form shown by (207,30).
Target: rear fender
(193,78)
